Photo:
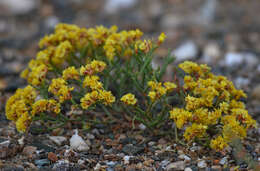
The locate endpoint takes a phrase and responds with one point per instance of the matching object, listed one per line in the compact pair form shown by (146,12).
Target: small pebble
(142,126)
(77,143)
(184,157)
(179,165)
(223,161)
(126,159)
(151,143)
(202,164)
(59,140)
(187,169)
(42,162)
(90,136)
(216,167)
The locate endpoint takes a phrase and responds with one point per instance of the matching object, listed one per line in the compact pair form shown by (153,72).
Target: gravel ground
(223,34)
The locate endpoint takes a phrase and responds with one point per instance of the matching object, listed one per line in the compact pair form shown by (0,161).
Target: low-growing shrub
(102,70)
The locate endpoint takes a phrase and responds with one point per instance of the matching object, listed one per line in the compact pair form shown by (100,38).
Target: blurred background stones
(223,34)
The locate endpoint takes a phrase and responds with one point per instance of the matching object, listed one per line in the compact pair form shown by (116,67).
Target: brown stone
(52,157)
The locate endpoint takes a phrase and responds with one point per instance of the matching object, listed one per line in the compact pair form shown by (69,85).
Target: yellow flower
(37,74)
(25,73)
(218,143)
(110,51)
(194,69)
(189,82)
(201,116)
(129,99)
(145,46)
(243,116)
(14,109)
(158,89)
(224,106)
(44,56)
(98,66)
(87,101)
(232,128)
(45,105)
(180,116)
(23,122)
(152,95)
(59,88)
(62,51)
(236,104)
(54,106)
(39,106)
(195,131)
(193,103)
(29,94)
(161,38)
(152,84)
(92,68)
(169,86)
(92,82)
(19,103)
(107,97)
(70,73)
(128,53)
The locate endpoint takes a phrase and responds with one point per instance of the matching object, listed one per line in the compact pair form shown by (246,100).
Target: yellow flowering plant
(211,110)
(92,70)
(105,71)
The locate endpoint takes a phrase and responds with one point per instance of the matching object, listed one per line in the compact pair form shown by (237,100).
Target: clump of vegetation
(102,70)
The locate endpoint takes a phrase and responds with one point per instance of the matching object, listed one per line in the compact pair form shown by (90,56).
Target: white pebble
(77,143)
(126,159)
(202,164)
(187,169)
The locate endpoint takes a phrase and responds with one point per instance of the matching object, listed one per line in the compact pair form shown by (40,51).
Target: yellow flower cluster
(67,39)
(44,105)
(35,73)
(62,52)
(218,143)
(17,107)
(93,97)
(158,89)
(195,130)
(210,101)
(97,94)
(129,99)
(180,116)
(70,73)
(59,88)
(93,68)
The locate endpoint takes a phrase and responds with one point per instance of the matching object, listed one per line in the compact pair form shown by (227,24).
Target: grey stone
(42,162)
(59,140)
(132,150)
